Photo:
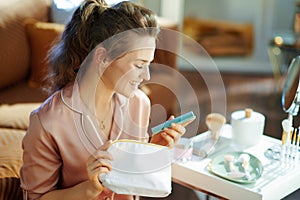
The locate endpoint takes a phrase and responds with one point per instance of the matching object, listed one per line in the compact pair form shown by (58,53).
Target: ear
(100,55)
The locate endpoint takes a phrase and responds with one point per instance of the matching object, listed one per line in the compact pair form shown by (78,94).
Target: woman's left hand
(170,136)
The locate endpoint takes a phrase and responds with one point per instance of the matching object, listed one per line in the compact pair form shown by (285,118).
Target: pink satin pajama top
(63,133)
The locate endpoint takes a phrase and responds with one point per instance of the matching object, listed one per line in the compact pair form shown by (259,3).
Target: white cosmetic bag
(139,168)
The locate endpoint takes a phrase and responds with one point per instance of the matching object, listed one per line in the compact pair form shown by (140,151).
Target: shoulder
(52,103)
(58,103)
(39,130)
(52,113)
(39,116)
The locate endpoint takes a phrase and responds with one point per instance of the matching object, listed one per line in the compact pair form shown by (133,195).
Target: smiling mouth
(135,83)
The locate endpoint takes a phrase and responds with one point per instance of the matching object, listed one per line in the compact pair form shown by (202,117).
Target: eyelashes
(141,66)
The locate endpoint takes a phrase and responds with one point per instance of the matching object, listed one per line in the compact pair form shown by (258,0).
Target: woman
(96,68)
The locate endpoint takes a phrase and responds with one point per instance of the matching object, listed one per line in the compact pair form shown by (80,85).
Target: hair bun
(90,7)
(100,3)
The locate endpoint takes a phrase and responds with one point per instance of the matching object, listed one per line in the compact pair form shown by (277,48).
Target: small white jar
(247,127)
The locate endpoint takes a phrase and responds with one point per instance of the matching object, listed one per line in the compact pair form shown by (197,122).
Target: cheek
(125,78)
(119,75)
(125,86)
(114,74)
(120,78)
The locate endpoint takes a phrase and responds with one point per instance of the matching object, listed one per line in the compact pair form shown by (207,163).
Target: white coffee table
(277,181)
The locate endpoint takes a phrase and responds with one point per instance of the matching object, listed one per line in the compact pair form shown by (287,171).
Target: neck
(103,96)
(93,89)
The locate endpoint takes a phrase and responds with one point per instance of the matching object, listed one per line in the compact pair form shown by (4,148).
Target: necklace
(102,125)
(102,122)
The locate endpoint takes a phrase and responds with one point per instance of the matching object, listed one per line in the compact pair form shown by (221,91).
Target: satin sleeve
(41,161)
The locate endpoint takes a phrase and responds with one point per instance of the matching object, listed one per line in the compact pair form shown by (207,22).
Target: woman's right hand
(99,162)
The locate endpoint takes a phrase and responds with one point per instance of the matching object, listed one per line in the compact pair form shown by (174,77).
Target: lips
(135,83)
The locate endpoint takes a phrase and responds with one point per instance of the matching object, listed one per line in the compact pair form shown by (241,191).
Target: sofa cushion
(11,162)
(41,35)
(22,93)
(17,115)
(10,152)
(14,48)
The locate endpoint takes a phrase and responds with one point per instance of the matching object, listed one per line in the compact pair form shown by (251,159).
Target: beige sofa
(25,36)
(15,50)
(15,72)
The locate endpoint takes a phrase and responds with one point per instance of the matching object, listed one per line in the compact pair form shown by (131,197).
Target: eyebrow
(143,60)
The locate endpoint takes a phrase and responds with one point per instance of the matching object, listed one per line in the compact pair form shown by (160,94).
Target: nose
(145,75)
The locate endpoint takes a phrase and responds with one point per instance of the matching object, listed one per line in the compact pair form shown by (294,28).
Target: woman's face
(125,74)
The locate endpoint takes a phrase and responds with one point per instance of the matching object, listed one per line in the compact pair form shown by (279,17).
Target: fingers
(102,157)
(169,140)
(99,162)
(101,154)
(188,122)
(102,164)
(171,117)
(179,128)
(172,135)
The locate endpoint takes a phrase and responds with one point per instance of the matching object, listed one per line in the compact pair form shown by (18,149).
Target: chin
(127,91)
(127,94)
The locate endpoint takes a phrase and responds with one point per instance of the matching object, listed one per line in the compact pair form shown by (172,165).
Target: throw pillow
(17,115)
(41,36)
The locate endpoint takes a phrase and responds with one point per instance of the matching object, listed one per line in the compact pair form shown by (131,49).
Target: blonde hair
(91,24)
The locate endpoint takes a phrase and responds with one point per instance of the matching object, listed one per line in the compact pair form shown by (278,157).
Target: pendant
(102,126)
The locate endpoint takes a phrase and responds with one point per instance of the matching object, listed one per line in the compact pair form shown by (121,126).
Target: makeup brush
(230,161)
(233,172)
(214,122)
(286,126)
(245,160)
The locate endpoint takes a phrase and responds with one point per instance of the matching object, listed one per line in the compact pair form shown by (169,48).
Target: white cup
(247,127)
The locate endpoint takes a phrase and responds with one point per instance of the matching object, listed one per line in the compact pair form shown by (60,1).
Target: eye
(139,66)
